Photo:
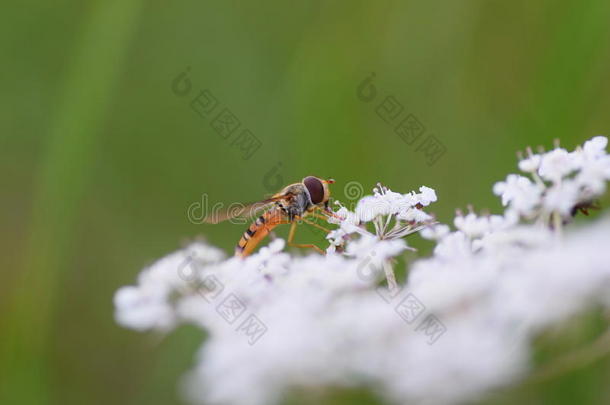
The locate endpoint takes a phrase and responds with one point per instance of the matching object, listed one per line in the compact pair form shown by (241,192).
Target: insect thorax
(298,202)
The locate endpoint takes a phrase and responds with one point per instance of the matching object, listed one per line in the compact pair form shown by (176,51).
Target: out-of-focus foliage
(101,159)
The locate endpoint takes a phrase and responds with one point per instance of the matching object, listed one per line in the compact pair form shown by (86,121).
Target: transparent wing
(240,210)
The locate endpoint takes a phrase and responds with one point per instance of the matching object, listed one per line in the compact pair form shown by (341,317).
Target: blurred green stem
(91,77)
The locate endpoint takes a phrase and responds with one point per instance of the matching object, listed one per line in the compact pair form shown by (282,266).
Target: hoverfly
(294,202)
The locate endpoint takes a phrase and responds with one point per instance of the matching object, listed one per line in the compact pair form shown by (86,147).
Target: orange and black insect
(292,204)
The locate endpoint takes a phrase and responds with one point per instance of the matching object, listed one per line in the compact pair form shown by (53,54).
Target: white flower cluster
(385,208)
(393,216)
(461,325)
(561,181)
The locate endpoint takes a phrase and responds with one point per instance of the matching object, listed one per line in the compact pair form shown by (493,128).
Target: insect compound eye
(315,188)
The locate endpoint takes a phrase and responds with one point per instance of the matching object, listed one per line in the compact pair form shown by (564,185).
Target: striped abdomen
(258,230)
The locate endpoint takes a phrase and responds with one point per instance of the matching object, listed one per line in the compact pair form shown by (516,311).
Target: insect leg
(319,216)
(326,213)
(316,225)
(290,242)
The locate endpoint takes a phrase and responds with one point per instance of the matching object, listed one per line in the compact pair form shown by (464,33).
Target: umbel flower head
(392,215)
(462,324)
(559,181)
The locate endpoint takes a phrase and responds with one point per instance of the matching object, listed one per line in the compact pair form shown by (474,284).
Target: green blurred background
(101,159)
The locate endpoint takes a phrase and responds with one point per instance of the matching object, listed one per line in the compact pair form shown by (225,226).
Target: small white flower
(142,309)
(426,196)
(472,225)
(561,197)
(594,168)
(592,179)
(556,164)
(414,215)
(435,232)
(369,246)
(530,164)
(595,147)
(276,246)
(370,207)
(519,192)
(455,245)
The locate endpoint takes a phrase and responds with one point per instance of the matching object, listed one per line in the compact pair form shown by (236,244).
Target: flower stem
(557,224)
(389,275)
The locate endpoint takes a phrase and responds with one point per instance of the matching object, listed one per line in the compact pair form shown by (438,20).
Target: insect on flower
(293,203)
